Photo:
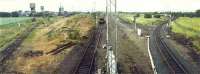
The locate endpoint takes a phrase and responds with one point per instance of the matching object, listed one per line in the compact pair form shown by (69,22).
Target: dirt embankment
(44,49)
(185,46)
(133,57)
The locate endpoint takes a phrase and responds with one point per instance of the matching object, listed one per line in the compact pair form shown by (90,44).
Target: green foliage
(8,32)
(189,27)
(198,13)
(147,15)
(5,14)
(14,14)
(157,16)
(137,15)
(74,35)
(141,20)
(40,21)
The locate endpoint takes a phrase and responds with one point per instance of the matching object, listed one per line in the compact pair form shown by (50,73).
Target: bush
(75,34)
(137,15)
(147,16)
(157,16)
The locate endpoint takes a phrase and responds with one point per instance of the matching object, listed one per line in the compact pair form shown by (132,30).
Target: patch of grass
(14,26)
(8,20)
(9,32)
(189,27)
(141,20)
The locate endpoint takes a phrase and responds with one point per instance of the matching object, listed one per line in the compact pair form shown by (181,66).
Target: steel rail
(86,63)
(171,60)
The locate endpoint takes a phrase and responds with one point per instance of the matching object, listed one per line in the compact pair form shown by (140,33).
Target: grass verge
(189,28)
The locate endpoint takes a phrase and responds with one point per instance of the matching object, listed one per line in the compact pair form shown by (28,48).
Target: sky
(99,5)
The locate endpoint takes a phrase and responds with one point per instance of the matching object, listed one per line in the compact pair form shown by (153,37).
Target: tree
(15,14)
(5,14)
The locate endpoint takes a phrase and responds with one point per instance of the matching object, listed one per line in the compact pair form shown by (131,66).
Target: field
(189,27)
(128,17)
(7,20)
(12,27)
(45,38)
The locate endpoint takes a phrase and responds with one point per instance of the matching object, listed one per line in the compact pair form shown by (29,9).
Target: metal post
(115,6)
(116,30)
(170,20)
(107,36)
(135,22)
(150,56)
(107,21)
(110,6)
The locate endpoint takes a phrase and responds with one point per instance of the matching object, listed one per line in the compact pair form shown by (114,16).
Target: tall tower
(42,8)
(33,11)
(61,11)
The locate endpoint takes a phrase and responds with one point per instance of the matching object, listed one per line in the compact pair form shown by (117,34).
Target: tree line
(174,14)
(9,14)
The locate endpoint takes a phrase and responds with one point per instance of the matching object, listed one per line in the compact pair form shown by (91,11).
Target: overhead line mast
(110,55)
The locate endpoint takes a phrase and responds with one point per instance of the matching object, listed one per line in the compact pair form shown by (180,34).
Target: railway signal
(42,8)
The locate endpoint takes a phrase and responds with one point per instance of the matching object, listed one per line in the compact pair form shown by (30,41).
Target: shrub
(74,35)
(147,16)
(137,15)
(157,16)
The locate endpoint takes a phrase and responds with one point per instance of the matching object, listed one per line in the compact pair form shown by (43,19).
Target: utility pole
(95,13)
(107,64)
(170,17)
(134,20)
(115,6)
(116,31)
(107,21)
(110,3)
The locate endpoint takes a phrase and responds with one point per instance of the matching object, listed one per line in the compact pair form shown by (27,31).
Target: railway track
(86,64)
(7,51)
(172,61)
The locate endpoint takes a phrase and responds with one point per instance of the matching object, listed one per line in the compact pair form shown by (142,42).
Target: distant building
(42,8)
(26,13)
(20,13)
